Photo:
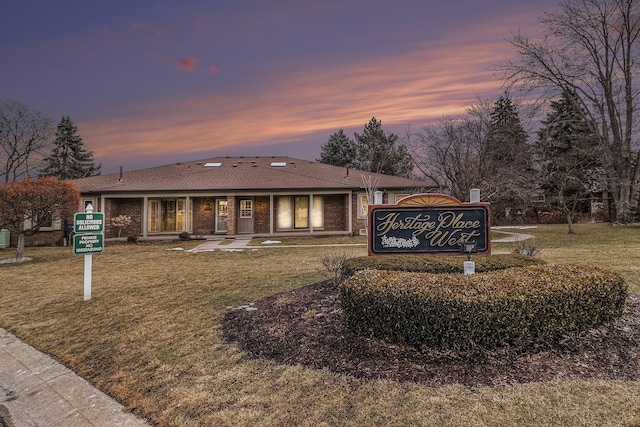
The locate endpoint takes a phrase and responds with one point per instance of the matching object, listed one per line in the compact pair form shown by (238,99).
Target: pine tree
(379,152)
(507,139)
(338,151)
(69,159)
(570,156)
(506,161)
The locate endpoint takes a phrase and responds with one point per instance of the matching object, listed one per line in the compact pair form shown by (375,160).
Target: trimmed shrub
(517,306)
(437,264)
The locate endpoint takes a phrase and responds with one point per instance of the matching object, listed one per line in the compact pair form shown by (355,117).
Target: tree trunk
(20,247)
(570,222)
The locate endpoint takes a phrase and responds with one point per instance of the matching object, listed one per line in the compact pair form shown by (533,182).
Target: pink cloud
(213,69)
(411,88)
(200,23)
(187,64)
(137,26)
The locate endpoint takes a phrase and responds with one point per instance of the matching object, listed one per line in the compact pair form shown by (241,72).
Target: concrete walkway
(226,244)
(511,236)
(37,391)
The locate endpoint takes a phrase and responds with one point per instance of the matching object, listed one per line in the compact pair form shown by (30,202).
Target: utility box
(5,238)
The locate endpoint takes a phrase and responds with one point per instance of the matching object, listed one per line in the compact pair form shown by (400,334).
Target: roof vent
(212,165)
(278,164)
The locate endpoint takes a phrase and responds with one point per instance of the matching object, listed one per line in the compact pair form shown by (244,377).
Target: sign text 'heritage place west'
(411,228)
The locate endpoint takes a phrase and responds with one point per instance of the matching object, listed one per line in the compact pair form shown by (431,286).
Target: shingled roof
(241,174)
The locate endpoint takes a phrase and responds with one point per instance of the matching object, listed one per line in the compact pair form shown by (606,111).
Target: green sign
(88,222)
(86,244)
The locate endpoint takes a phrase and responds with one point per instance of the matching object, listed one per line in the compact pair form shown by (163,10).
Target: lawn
(150,337)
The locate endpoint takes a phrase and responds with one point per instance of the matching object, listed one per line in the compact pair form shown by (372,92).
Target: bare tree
(591,47)
(449,154)
(26,136)
(477,151)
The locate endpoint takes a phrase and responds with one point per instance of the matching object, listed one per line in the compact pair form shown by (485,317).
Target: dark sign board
(428,229)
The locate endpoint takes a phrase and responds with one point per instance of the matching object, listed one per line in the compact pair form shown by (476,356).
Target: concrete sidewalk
(512,237)
(37,391)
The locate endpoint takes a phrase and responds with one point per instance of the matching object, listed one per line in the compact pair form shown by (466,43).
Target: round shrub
(516,306)
(437,264)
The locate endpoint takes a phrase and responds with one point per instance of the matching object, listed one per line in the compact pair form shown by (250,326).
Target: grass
(151,338)
(603,245)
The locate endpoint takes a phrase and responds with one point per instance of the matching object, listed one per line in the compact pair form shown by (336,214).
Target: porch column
(145,215)
(311,213)
(187,220)
(231,216)
(271,211)
(350,210)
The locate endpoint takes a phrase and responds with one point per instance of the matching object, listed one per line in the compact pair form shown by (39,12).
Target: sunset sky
(155,82)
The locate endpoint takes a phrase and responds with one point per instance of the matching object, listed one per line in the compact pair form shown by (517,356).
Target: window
(301,218)
(317,213)
(87,202)
(165,215)
(284,220)
(363,205)
(293,212)
(246,208)
(48,223)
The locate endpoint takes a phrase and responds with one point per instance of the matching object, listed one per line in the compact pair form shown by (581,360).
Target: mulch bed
(305,327)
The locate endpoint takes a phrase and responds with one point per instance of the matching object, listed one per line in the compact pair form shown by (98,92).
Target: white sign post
(88,240)
(88,267)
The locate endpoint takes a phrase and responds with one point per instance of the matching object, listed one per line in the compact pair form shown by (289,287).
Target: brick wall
(335,212)
(204,215)
(261,215)
(131,207)
(44,237)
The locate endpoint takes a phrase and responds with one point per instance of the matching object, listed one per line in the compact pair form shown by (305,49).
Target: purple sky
(154,82)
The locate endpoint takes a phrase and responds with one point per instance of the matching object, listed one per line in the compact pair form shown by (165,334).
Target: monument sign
(429,224)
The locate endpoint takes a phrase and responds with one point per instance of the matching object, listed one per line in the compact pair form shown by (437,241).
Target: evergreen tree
(338,151)
(570,156)
(506,161)
(507,139)
(379,152)
(69,159)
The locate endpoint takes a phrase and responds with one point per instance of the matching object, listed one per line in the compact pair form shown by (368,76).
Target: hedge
(437,264)
(516,306)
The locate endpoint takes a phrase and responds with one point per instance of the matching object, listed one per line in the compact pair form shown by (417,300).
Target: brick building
(230,196)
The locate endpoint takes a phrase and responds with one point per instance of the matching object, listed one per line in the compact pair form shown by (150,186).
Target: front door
(221,215)
(245,216)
